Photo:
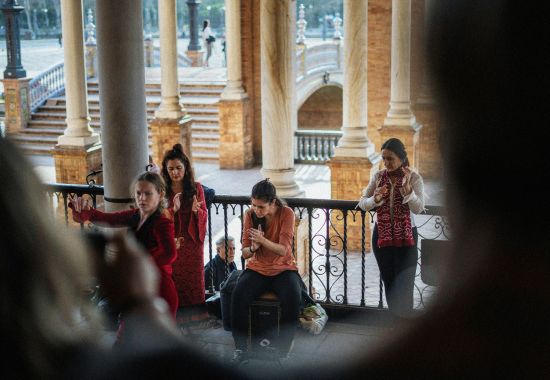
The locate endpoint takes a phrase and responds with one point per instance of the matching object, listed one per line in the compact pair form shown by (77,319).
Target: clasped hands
(381,191)
(194,207)
(257,237)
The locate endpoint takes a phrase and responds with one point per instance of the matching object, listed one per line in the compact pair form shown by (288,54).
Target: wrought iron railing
(334,273)
(315,146)
(46,85)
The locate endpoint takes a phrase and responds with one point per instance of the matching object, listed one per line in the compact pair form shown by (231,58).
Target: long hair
(396,146)
(205,24)
(44,272)
(189,187)
(157,181)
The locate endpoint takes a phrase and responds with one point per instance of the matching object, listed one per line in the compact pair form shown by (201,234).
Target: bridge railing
(333,273)
(318,58)
(315,146)
(47,84)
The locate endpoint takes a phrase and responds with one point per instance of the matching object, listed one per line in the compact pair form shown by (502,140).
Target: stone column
(171,124)
(354,155)
(194,51)
(279,117)
(122,98)
(426,109)
(235,133)
(400,121)
(77,151)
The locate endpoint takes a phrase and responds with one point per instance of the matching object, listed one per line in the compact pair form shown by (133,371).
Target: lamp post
(193,25)
(14,68)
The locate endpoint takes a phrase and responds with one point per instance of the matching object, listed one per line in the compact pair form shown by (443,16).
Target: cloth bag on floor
(313,319)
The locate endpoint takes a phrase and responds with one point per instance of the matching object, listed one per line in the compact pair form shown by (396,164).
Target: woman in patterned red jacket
(397,193)
(186,203)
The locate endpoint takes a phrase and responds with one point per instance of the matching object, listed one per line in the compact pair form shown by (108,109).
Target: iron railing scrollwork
(335,273)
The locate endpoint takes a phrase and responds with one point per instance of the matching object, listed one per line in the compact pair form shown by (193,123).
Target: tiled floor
(338,342)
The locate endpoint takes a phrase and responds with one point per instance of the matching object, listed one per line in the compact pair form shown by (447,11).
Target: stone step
(205,146)
(42,131)
(35,139)
(205,128)
(190,92)
(206,137)
(205,157)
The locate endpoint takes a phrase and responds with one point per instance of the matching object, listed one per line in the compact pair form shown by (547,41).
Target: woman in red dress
(186,201)
(152,226)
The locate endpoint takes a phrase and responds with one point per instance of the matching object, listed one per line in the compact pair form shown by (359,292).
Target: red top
(156,234)
(280,231)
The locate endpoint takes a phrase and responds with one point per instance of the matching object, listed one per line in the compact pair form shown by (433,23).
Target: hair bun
(178,147)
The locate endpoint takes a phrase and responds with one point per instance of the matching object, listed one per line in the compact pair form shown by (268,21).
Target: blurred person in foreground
(490,316)
(50,329)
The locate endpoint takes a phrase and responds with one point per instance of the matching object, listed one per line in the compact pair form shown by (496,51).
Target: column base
(16,102)
(196,57)
(407,134)
(284,182)
(349,176)
(165,133)
(235,135)
(74,163)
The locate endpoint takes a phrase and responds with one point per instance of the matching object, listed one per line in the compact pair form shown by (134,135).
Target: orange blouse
(280,231)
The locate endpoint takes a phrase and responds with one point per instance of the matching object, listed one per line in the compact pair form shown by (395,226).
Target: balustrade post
(91,46)
(302,23)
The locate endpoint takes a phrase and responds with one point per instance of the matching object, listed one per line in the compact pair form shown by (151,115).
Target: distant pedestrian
(60,39)
(208,39)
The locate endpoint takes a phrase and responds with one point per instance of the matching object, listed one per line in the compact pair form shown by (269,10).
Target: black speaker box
(264,325)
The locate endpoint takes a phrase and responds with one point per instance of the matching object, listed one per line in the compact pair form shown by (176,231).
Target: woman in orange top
(267,244)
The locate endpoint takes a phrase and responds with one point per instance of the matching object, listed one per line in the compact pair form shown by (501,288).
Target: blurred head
(394,154)
(264,199)
(149,192)
(205,23)
(484,72)
(43,273)
(176,167)
(220,248)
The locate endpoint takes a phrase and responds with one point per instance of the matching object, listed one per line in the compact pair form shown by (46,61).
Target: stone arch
(322,109)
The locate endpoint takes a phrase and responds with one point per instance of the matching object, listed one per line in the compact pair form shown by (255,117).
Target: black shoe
(239,357)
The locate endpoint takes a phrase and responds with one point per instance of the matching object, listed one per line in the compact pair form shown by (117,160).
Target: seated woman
(267,245)
(153,229)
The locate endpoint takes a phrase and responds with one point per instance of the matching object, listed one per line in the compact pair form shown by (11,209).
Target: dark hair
(189,187)
(157,181)
(396,146)
(205,24)
(266,191)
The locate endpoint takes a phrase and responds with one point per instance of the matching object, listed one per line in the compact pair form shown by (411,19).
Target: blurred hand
(177,202)
(196,204)
(406,188)
(131,277)
(381,192)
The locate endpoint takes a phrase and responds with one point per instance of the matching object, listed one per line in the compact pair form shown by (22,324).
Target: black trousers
(398,269)
(251,284)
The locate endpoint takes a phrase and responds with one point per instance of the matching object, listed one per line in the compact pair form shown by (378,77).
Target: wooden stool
(264,317)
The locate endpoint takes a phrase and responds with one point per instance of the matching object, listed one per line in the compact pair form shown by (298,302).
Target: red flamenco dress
(190,230)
